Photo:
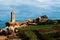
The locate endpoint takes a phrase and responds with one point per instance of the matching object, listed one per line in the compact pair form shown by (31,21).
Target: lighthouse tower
(12,16)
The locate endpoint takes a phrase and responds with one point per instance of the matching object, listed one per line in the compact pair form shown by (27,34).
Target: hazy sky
(25,9)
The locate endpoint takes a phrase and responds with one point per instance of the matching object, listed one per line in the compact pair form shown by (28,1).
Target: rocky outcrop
(43,18)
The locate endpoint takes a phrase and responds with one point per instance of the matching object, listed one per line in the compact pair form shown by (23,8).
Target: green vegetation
(40,32)
(27,34)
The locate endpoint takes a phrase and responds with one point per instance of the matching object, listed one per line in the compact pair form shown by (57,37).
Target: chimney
(12,16)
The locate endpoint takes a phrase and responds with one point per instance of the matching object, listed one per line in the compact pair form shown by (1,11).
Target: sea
(2,24)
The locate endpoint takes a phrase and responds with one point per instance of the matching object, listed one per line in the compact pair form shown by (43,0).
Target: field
(40,32)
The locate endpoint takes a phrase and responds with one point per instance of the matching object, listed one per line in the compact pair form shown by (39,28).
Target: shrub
(27,34)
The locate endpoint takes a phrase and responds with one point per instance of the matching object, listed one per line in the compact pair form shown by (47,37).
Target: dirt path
(10,38)
(2,37)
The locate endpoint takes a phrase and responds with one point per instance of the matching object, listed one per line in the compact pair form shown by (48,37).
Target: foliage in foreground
(27,34)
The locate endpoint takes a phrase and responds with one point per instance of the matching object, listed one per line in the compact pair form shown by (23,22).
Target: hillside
(40,32)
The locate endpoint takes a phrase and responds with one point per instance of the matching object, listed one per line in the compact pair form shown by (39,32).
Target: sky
(29,9)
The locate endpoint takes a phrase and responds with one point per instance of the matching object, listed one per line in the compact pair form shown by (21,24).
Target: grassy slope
(40,32)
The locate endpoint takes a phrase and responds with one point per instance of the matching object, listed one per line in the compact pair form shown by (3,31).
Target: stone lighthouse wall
(12,16)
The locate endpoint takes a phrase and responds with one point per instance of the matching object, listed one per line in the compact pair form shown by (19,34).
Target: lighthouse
(13,24)
(12,16)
